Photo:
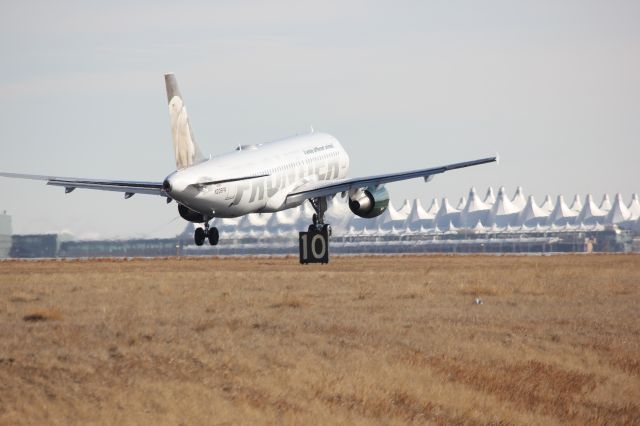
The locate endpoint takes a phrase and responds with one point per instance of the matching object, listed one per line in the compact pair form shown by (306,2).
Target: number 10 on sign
(314,245)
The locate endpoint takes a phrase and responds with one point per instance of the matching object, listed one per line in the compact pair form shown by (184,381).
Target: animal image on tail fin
(186,150)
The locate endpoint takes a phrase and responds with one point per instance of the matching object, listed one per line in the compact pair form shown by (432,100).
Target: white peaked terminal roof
(391,218)
(576,204)
(419,217)
(265,233)
(474,210)
(591,213)
(494,213)
(380,231)
(296,213)
(450,227)
(532,215)
(561,214)
(307,210)
(187,233)
(396,231)
(338,214)
(337,204)
(519,199)
(418,212)
(634,207)
(547,204)
(479,227)
(461,203)
(227,224)
(366,231)
(237,233)
(446,207)
(605,204)
(285,220)
(618,213)
(503,213)
(360,224)
(490,198)
(493,228)
(254,221)
(405,209)
(446,214)
(435,206)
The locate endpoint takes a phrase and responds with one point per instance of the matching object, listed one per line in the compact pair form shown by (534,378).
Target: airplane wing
(327,188)
(69,184)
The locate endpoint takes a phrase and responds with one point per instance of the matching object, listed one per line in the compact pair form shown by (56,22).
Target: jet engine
(190,215)
(369,202)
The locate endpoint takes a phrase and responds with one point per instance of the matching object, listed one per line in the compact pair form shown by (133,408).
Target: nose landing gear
(211,234)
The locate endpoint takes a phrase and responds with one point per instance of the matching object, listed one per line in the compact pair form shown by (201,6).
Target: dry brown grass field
(364,340)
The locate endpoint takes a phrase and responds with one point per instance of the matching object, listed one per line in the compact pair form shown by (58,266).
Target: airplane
(266,177)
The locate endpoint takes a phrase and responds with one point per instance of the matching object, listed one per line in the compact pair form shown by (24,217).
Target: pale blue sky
(553,86)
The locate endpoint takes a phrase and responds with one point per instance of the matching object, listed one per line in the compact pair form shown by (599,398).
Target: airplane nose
(174,185)
(166,185)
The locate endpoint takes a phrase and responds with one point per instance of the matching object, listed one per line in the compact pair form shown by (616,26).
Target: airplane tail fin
(186,149)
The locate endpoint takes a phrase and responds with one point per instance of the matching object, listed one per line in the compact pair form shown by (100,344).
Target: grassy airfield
(364,340)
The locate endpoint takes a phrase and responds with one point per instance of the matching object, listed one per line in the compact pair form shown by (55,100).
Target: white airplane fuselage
(288,164)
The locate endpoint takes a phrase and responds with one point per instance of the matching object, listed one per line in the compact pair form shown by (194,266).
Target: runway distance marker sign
(314,245)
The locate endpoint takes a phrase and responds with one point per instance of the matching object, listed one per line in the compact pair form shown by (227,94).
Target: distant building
(34,246)
(5,234)
(491,224)
(495,223)
(603,239)
(120,248)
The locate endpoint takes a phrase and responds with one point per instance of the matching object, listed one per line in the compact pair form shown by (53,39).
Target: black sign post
(314,245)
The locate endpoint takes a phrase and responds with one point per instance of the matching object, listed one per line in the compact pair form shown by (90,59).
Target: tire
(199,236)
(214,236)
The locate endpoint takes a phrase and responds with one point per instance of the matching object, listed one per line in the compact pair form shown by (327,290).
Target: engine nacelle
(190,215)
(370,202)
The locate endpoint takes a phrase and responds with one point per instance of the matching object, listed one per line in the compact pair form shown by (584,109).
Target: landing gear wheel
(213,235)
(199,236)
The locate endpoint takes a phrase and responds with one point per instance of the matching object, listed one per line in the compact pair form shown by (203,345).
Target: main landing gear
(320,206)
(314,244)
(211,234)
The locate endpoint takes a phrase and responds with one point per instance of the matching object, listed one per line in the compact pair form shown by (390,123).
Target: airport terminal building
(491,223)
(5,234)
